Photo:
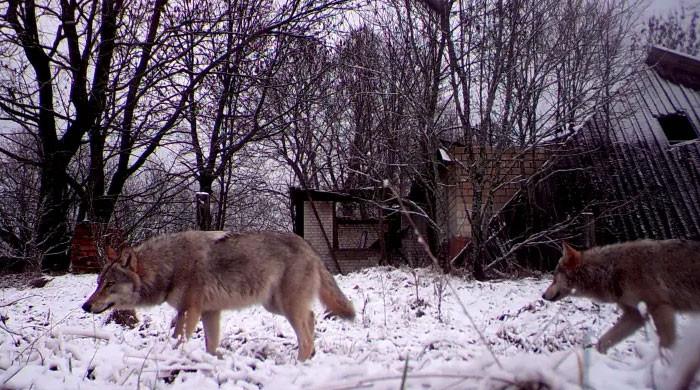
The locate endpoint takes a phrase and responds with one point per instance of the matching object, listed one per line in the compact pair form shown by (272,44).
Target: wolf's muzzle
(87,306)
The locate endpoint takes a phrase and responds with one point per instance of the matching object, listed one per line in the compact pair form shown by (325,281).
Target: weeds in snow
(435,261)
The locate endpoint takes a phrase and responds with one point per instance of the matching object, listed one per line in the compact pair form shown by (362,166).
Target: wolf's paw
(602,347)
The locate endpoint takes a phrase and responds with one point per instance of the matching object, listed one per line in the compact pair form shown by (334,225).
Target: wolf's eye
(109,284)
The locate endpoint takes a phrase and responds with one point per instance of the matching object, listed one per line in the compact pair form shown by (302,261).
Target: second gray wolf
(665,275)
(200,273)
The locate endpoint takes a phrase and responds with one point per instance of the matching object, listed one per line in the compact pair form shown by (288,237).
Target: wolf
(201,273)
(664,274)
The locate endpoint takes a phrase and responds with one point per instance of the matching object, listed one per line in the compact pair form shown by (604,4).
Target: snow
(444,156)
(48,342)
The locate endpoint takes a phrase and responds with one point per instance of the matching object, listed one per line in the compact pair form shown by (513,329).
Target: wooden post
(588,230)
(203,210)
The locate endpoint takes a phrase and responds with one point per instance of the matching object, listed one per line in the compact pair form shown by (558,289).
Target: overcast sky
(656,6)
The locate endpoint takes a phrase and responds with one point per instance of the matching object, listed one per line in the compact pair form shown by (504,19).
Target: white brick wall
(313,233)
(348,256)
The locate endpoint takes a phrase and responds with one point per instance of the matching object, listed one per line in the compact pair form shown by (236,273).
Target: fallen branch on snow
(17,300)
(80,332)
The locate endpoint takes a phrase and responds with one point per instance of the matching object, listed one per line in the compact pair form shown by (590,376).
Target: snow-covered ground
(407,322)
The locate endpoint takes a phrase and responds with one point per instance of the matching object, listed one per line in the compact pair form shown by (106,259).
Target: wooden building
(354,229)
(635,165)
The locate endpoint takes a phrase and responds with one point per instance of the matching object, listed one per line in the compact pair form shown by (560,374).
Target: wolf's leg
(210,322)
(630,321)
(303,325)
(297,290)
(310,327)
(179,324)
(300,317)
(665,322)
(192,316)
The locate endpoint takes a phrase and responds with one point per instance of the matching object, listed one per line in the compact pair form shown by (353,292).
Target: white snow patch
(48,342)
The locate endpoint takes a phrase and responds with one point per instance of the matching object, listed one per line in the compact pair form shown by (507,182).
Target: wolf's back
(663,270)
(682,273)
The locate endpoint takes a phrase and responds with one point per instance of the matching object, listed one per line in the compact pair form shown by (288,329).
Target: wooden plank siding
(622,168)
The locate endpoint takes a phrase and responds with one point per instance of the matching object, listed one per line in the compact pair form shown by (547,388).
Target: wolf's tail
(332,298)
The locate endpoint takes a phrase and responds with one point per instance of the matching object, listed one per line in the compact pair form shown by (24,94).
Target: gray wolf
(665,275)
(200,273)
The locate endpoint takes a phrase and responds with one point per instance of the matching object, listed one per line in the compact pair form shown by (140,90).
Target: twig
(47,332)
(8,330)
(367,382)
(138,379)
(92,359)
(70,331)
(13,375)
(381,280)
(126,378)
(404,375)
(17,300)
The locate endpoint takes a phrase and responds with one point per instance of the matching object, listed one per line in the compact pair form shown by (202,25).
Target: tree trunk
(203,202)
(52,227)
(203,210)
(103,208)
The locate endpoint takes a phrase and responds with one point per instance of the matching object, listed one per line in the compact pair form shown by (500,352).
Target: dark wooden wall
(621,167)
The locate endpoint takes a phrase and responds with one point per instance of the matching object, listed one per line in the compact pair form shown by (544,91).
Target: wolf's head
(561,285)
(118,284)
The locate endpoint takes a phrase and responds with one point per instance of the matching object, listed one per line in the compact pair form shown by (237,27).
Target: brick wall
(88,246)
(313,233)
(506,169)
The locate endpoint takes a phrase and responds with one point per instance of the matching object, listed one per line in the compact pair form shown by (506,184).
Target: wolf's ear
(129,259)
(571,258)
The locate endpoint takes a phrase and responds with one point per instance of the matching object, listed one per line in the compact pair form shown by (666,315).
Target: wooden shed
(354,229)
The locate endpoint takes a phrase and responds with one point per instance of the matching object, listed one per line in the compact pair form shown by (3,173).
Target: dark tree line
(117,111)
(110,82)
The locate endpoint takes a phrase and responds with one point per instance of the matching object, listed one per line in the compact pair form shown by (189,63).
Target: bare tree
(18,189)
(108,73)
(155,200)
(416,52)
(679,29)
(85,71)
(232,110)
(58,64)
(520,71)
(304,106)
(368,108)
